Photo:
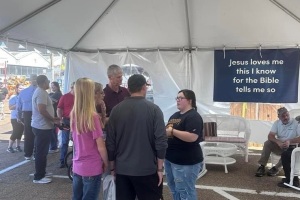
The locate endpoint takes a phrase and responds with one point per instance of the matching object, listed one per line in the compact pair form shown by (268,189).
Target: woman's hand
(169,131)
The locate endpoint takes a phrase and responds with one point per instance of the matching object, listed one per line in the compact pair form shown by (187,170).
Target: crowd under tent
(174,41)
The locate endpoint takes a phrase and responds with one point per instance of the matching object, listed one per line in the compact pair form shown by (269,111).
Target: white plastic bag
(109,188)
(59,139)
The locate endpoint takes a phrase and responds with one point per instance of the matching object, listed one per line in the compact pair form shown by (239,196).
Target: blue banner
(266,76)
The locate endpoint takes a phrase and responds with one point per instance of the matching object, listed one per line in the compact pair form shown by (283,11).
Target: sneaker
(29,158)
(273,171)
(10,150)
(53,151)
(260,171)
(18,149)
(43,180)
(295,183)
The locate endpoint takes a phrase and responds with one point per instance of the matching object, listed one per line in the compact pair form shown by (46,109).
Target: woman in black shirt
(184,155)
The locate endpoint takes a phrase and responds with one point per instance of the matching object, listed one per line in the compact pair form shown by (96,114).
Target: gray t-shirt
(285,131)
(38,121)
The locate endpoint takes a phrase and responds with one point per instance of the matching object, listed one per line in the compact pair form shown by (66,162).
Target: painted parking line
(280,194)
(247,191)
(55,176)
(14,166)
(225,194)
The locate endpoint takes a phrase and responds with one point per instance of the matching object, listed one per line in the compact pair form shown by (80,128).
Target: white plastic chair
(295,167)
(230,129)
(204,170)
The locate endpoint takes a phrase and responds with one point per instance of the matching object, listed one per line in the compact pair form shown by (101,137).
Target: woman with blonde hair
(90,153)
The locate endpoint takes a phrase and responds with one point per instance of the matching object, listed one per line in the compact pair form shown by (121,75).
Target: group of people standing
(137,145)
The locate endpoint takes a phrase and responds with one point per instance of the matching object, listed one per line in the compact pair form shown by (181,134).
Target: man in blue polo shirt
(24,107)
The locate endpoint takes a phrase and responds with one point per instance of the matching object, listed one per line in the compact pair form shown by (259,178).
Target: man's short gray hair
(113,69)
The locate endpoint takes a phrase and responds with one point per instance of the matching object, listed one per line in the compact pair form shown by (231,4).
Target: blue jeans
(86,188)
(65,137)
(182,180)
(42,141)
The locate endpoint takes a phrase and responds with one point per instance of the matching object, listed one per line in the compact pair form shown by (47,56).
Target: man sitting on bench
(282,132)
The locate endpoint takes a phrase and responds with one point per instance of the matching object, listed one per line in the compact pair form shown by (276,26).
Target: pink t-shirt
(87,160)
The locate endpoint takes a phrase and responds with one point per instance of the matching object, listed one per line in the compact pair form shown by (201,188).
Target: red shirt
(66,103)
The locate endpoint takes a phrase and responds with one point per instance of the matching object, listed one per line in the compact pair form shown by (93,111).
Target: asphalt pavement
(240,182)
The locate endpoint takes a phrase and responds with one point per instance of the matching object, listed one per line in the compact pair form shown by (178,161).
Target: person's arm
(12,107)
(294,140)
(12,104)
(102,150)
(19,109)
(161,142)
(97,134)
(272,138)
(59,110)
(193,129)
(160,170)
(182,135)
(43,111)
(112,168)
(41,101)
(110,143)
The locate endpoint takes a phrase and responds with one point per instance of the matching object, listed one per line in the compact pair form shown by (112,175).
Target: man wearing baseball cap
(283,130)
(136,143)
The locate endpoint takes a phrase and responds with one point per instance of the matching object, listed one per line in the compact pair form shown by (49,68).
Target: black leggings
(18,129)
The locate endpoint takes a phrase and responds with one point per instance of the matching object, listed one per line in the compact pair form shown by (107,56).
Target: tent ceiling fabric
(143,24)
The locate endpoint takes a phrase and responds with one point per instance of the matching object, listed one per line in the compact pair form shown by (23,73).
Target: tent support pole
(188,25)
(30,15)
(110,6)
(287,11)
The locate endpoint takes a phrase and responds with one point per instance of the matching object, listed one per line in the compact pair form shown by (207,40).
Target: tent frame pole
(188,25)
(287,11)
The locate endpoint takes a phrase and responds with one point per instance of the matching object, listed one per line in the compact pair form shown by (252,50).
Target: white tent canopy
(173,40)
(143,24)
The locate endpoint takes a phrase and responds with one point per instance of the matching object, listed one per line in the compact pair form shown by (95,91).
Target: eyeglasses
(179,98)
